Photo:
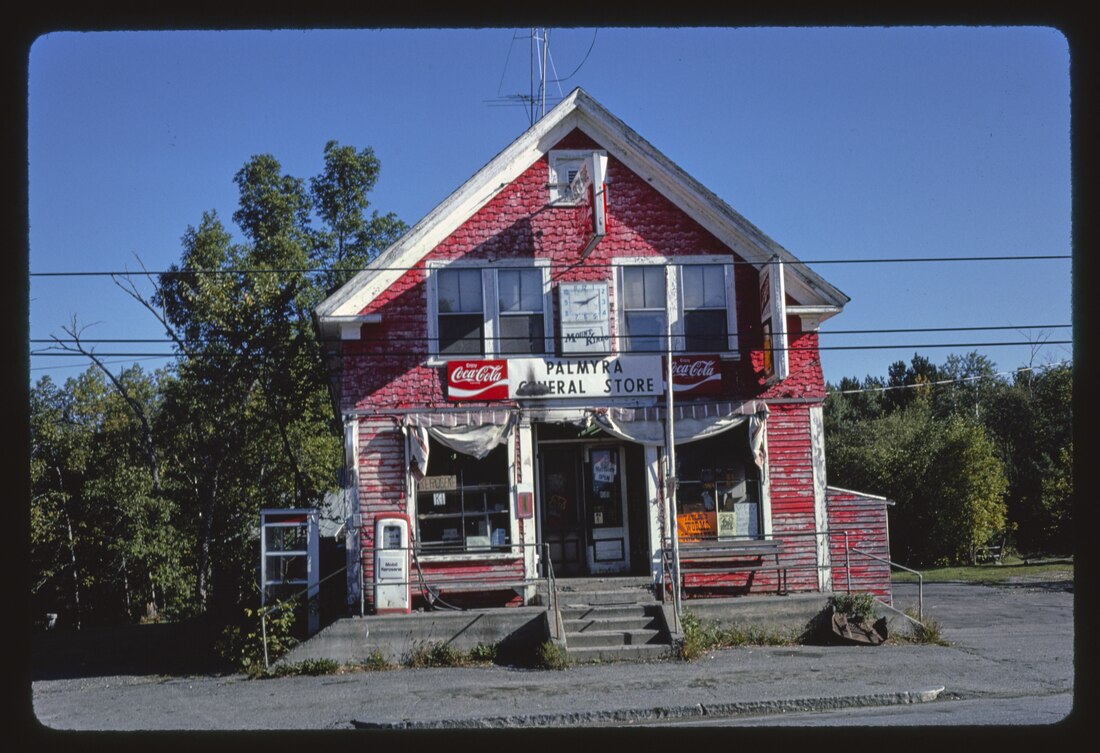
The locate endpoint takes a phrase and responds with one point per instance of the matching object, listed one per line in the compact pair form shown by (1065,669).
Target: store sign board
(477,380)
(437,484)
(563,378)
(696,375)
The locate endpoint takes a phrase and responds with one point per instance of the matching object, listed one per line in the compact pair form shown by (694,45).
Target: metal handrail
(827,534)
(920,579)
(265,610)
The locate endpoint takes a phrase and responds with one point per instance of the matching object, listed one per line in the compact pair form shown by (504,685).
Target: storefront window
(718,492)
(463,503)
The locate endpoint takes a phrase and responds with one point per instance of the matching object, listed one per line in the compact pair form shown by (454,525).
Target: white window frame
(490,305)
(673,288)
(558,179)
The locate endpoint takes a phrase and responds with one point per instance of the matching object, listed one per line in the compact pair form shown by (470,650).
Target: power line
(683,351)
(947,381)
(103,340)
(586,265)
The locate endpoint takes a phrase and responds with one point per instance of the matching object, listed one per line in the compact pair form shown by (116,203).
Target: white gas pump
(391,564)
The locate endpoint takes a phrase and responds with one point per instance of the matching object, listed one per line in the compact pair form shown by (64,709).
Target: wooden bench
(715,556)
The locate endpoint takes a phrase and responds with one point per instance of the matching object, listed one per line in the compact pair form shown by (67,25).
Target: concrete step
(607,611)
(644,652)
(626,622)
(613,639)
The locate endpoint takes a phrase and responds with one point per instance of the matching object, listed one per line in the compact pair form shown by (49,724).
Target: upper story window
(520,303)
(705,319)
(695,293)
(644,314)
(461,312)
(564,165)
(474,311)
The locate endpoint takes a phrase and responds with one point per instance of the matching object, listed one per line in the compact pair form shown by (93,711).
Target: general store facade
(503,375)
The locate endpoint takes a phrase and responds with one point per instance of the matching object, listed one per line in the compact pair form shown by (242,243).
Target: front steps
(612,619)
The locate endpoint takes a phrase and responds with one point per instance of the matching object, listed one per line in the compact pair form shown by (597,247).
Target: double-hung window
(705,314)
(478,311)
(461,312)
(644,307)
(522,322)
(691,297)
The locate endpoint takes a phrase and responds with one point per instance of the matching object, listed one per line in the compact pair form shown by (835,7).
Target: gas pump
(391,564)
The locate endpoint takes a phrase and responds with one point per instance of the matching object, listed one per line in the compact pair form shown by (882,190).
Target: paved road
(1012,645)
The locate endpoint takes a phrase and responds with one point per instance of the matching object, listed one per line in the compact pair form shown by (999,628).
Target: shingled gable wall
(386,368)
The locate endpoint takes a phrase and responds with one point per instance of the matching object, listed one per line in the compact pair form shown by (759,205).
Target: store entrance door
(583,503)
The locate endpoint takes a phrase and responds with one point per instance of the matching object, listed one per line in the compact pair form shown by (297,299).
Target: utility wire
(422,339)
(585,265)
(453,356)
(947,381)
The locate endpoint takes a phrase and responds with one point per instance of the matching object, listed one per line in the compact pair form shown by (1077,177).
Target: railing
(793,558)
(289,601)
(430,587)
(920,579)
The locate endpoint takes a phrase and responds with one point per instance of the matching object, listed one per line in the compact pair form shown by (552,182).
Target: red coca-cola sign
(696,375)
(477,380)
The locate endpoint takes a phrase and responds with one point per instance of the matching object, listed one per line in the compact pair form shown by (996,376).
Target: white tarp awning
(690,422)
(475,433)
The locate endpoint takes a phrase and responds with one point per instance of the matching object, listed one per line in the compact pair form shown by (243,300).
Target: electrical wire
(958,380)
(583,265)
(102,340)
(676,351)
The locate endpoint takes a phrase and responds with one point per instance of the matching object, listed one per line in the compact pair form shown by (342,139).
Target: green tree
(943,475)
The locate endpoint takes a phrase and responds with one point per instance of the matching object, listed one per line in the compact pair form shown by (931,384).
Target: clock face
(584,302)
(585,322)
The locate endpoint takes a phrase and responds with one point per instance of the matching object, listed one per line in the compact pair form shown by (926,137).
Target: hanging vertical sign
(589,191)
(773,320)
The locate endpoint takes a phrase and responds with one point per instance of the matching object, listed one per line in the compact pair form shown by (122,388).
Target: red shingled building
(501,372)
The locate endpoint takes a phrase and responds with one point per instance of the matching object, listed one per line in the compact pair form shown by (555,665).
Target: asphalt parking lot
(1013,641)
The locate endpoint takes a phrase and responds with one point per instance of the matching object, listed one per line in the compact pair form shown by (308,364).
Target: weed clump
(701,638)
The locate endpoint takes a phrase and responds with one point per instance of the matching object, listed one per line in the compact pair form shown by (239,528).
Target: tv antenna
(541,61)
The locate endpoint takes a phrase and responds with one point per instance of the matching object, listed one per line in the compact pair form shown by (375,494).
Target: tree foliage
(149,488)
(969,457)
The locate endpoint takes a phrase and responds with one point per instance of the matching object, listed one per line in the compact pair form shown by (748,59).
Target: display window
(462,502)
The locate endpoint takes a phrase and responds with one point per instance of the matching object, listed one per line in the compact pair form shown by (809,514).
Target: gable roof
(579,111)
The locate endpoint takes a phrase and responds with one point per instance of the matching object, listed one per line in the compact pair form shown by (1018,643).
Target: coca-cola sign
(696,375)
(477,380)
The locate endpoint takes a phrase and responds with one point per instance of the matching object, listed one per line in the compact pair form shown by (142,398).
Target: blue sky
(839,143)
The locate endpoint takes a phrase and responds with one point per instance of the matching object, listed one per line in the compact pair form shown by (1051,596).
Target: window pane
(704,286)
(644,287)
(654,287)
(633,288)
(461,334)
(645,332)
(705,331)
(459,290)
(520,290)
(521,334)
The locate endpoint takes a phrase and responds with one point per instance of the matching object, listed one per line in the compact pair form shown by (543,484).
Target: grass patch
(311,667)
(376,662)
(991,573)
(702,637)
(928,632)
(435,655)
(550,655)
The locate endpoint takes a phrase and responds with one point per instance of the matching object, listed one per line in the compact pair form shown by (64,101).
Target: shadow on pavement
(157,649)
